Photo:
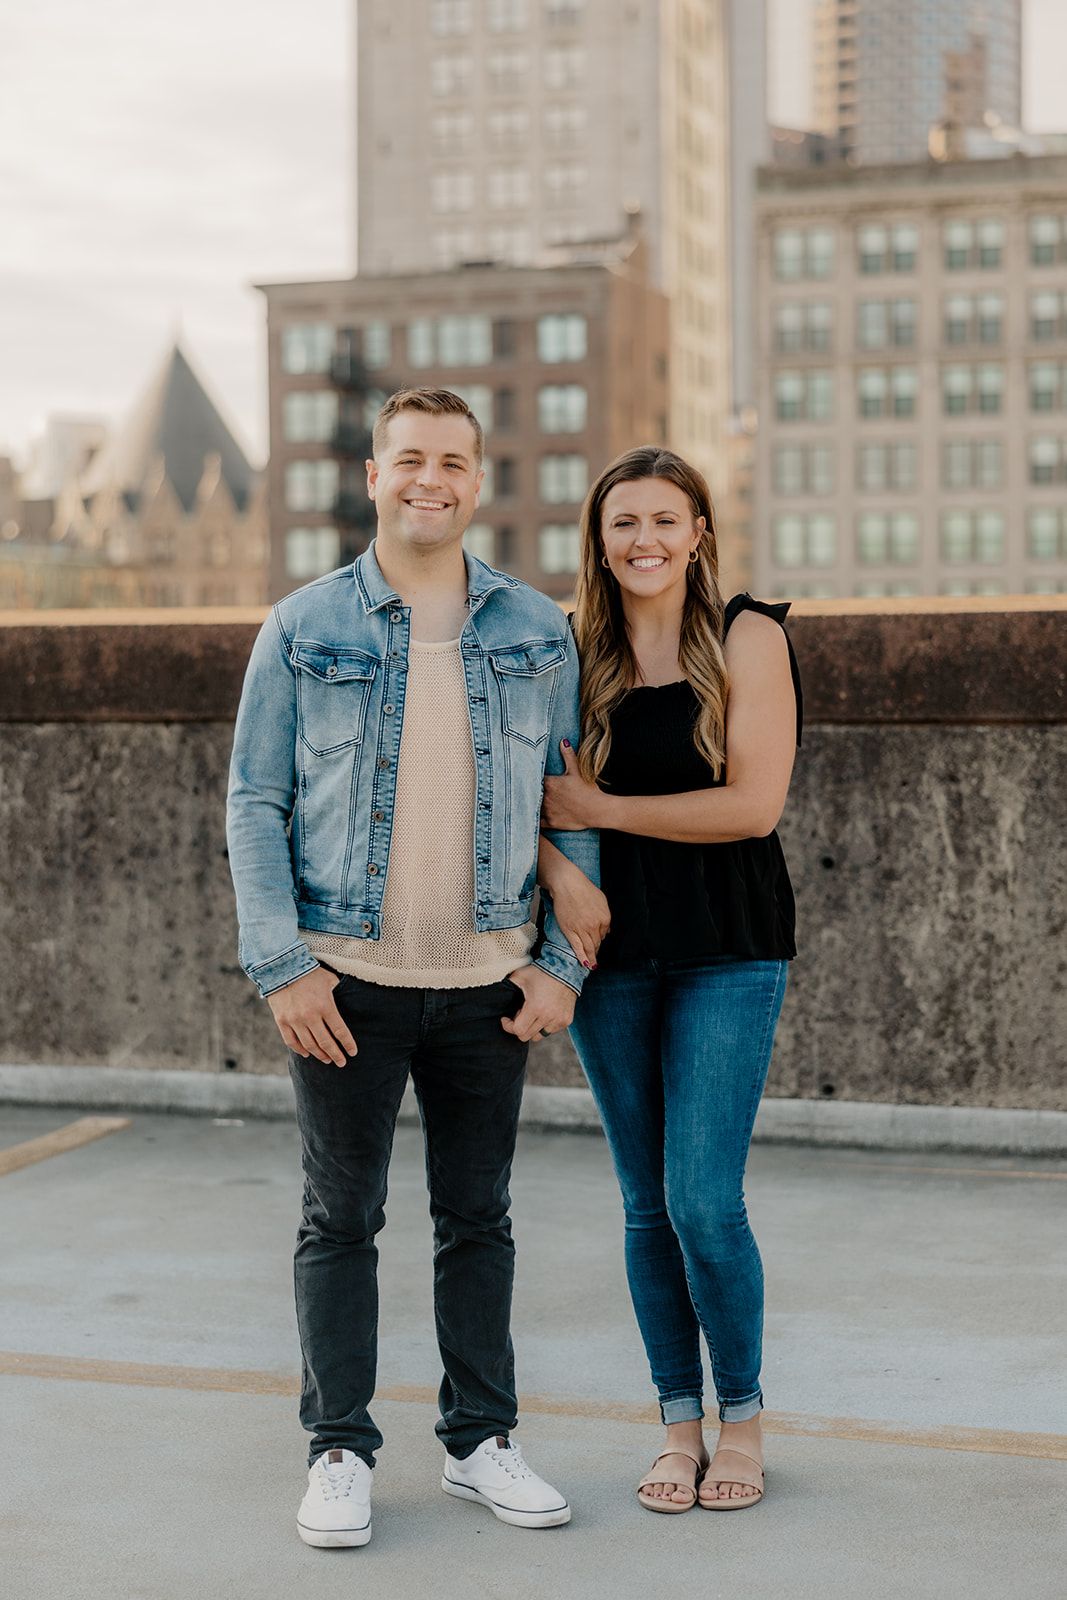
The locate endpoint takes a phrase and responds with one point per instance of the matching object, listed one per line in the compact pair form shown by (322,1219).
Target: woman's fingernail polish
(566,744)
(585,964)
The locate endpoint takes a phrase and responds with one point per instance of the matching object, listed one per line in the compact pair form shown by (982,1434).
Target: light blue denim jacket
(313,774)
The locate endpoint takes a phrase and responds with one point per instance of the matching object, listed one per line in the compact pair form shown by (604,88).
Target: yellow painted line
(226,1380)
(964,1172)
(84,1131)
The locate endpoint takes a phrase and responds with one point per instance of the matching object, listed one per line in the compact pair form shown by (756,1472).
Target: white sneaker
(497,1475)
(336,1509)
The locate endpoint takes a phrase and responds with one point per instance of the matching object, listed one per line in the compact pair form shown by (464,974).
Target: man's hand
(548,1006)
(308,1019)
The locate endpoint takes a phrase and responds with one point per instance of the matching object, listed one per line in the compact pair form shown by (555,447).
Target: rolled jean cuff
(687,1408)
(740,1410)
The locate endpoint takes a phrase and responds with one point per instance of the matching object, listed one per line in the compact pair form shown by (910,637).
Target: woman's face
(647,531)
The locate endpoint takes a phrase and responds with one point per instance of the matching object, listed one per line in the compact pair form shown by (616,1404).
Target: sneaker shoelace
(338,1480)
(512,1462)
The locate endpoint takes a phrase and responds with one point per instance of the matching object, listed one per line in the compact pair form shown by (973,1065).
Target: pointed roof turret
(175,419)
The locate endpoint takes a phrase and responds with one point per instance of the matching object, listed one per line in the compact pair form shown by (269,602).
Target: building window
(803,253)
(451,17)
(480,540)
(561,337)
(565,125)
(959,243)
(807,326)
(311,485)
(1044,314)
(563,479)
(989,387)
(464,341)
(377,345)
(565,183)
(990,318)
(884,538)
(507,474)
(808,395)
(479,397)
(1046,386)
(885,322)
(968,536)
(959,311)
(965,389)
(1045,236)
(887,392)
(451,76)
(421,342)
(564,67)
(804,469)
(990,242)
(886,466)
(559,546)
(309,552)
(511,244)
(453,133)
(509,188)
(564,13)
(309,416)
(1045,457)
(805,541)
(307,347)
(508,16)
(452,191)
(562,407)
(506,410)
(509,128)
(507,71)
(1046,534)
(883,249)
(972,464)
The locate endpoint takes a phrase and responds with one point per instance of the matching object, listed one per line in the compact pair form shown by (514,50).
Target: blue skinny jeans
(676,1053)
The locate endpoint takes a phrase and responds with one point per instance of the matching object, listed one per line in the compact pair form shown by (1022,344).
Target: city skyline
(155,168)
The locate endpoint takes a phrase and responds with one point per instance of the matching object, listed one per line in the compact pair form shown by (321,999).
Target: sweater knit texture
(427,938)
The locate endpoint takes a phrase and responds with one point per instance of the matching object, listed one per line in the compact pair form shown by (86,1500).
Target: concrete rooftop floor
(915,1376)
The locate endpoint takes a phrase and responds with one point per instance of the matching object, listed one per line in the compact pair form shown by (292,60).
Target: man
(389,754)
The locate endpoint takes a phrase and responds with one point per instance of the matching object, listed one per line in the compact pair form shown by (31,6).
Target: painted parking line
(226,1380)
(70,1137)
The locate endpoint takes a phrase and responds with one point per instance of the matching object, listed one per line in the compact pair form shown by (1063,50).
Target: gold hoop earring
(604,562)
(694,555)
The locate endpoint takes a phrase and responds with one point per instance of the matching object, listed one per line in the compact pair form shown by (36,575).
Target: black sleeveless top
(675,901)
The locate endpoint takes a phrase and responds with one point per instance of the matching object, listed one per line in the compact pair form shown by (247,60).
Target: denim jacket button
(373,870)
(388,710)
(379,816)
(368,927)
(331,672)
(383,762)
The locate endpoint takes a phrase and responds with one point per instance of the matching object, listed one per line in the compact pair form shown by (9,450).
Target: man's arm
(580,847)
(260,803)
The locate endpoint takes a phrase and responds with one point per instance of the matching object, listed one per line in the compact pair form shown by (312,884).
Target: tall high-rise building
(887,71)
(500,130)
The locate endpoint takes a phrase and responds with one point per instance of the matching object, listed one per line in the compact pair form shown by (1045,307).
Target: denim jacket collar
(374,592)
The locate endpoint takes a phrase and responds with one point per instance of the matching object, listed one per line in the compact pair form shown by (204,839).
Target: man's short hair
(436,403)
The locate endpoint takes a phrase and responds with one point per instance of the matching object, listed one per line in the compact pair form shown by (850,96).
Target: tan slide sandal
(658,1502)
(729,1473)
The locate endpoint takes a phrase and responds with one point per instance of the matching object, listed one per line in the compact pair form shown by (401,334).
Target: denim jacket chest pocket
(526,694)
(333,688)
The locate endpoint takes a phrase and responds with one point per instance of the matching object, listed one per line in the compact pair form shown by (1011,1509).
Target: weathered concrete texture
(930,868)
(117,926)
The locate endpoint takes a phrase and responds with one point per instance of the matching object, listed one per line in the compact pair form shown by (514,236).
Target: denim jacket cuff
(280,970)
(561,964)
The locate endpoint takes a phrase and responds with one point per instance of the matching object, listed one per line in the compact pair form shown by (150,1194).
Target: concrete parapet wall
(924,834)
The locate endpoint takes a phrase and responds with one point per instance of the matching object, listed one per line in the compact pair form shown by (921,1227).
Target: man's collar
(374,592)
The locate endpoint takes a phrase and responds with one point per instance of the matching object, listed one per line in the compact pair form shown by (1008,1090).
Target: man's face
(426,482)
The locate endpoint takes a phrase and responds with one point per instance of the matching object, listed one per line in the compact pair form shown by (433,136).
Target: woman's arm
(760,744)
(581,909)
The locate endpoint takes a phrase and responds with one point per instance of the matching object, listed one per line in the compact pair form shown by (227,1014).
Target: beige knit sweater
(427,928)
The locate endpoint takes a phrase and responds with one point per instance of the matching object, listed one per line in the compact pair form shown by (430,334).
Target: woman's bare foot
(676,1469)
(747,1439)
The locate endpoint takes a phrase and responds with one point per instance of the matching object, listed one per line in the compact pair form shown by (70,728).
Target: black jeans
(468,1076)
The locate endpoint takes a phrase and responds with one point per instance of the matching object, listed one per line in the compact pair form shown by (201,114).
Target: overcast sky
(157,159)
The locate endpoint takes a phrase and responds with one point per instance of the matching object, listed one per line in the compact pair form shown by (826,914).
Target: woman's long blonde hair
(609,669)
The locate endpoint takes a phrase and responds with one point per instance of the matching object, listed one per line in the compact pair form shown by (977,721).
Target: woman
(690,717)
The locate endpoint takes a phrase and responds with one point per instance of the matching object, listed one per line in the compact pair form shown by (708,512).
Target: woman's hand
(581,910)
(570,803)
